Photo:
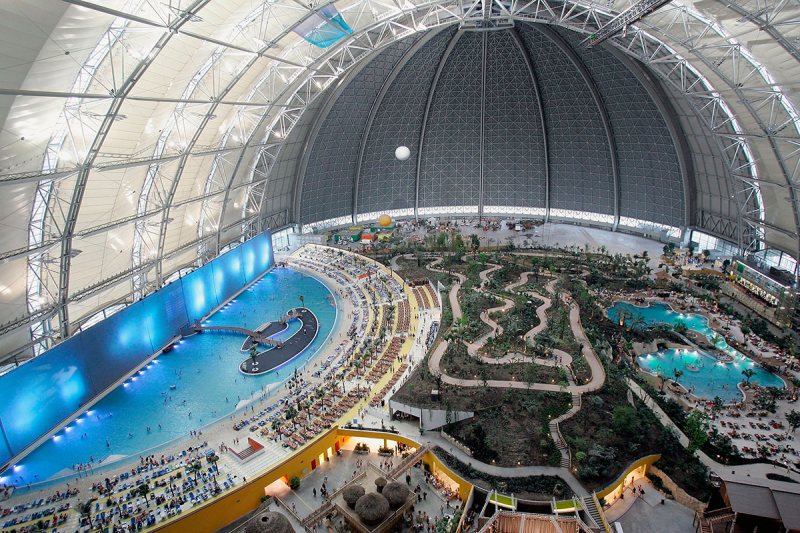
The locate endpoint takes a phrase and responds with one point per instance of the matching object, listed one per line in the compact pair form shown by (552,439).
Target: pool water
(703,374)
(204,370)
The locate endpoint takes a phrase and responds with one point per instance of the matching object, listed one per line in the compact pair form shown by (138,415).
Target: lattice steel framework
(676,43)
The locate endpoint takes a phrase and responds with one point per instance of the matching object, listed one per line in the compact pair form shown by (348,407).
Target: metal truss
(277,100)
(542,120)
(601,109)
(620,23)
(772,17)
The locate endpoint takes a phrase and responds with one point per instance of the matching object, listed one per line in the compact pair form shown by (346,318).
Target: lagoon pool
(703,374)
(204,371)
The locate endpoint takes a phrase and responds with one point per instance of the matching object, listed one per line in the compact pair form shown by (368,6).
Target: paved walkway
(434,362)
(754,470)
(646,512)
(373,419)
(561,358)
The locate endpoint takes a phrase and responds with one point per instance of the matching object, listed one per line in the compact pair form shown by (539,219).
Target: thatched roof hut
(380,483)
(372,508)
(352,493)
(269,522)
(396,494)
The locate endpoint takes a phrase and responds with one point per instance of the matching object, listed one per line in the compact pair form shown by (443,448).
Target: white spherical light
(402,153)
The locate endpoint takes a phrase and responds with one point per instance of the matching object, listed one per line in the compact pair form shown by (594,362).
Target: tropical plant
(793,418)
(716,406)
(253,351)
(696,429)
(85,509)
(796,384)
(748,373)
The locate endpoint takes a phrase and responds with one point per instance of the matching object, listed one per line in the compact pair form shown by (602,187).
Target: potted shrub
(385,451)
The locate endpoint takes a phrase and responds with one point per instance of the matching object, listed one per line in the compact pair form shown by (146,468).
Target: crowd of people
(317,397)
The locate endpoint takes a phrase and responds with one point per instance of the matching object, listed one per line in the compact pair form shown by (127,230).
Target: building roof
(141,138)
(766,498)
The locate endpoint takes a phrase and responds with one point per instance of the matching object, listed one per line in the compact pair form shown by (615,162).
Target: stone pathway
(561,357)
(434,362)
(755,470)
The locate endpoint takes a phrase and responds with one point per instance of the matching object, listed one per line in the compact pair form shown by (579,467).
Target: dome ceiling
(517,121)
(142,137)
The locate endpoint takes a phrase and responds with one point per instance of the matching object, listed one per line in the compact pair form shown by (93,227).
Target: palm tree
(677,373)
(85,509)
(253,351)
(195,468)
(144,490)
(716,406)
(748,373)
(796,384)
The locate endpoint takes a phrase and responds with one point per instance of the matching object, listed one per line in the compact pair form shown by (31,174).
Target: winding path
(434,362)
(561,358)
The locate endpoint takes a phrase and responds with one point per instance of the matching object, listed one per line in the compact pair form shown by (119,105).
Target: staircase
(409,461)
(311,522)
(566,461)
(555,432)
(592,507)
(705,522)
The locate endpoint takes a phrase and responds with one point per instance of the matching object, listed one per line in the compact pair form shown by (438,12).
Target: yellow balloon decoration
(385,220)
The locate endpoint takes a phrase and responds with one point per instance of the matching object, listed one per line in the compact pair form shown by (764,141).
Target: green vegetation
(608,434)
(513,429)
(696,428)
(541,488)
(458,363)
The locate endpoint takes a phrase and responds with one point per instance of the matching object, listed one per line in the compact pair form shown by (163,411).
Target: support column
(485,37)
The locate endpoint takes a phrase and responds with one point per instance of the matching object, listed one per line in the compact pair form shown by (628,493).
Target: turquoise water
(203,368)
(703,374)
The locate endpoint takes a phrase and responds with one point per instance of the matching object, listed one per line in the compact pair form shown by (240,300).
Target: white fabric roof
(131,128)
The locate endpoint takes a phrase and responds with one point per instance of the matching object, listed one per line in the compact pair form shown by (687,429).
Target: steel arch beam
(183,158)
(316,126)
(442,61)
(100,137)
(538,95)
(376,105)
(601,108)
(481,159)
(571,20)
(745,100)
(661,100)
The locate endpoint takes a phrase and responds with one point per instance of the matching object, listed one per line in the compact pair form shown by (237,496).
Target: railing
(288,508)
(409,461)
(311,521)
(600,513)
(541,518)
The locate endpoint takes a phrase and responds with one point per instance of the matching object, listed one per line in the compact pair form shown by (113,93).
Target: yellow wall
(247,497)
(637,469)
(429,459)
(436,465)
